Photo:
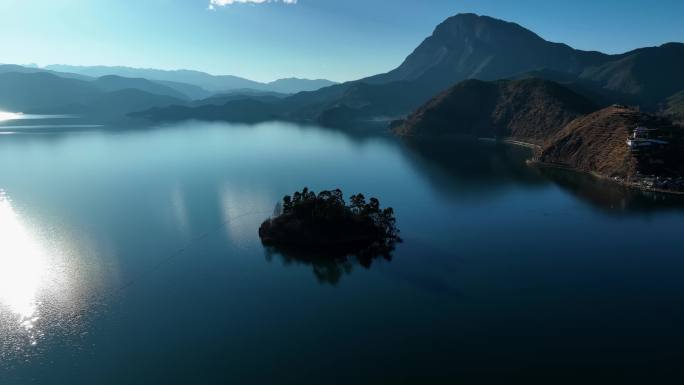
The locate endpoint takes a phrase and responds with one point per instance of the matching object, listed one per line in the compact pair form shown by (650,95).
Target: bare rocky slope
(529,110)
(597,143)
(567,129)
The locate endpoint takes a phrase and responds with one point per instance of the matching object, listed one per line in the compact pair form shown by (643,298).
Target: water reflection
(470,168)
(329,267)
(240,203)
(180,210)
(4,116)
(38,285)
(23,268)
(611,197)
(467,168)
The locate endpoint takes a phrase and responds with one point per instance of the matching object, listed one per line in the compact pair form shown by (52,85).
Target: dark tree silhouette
(319,227)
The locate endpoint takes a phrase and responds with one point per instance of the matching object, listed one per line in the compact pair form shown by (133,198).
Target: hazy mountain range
(106,97)
(475,75)
(211,83)
(463,47)
(469,46)
(110,92)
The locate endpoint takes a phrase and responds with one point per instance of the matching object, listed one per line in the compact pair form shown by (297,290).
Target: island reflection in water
(329,266)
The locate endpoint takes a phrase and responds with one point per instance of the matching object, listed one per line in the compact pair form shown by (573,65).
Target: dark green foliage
(329,208)
(324,222)
(323,231)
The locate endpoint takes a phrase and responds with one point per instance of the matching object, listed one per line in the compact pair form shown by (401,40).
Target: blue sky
(335,39)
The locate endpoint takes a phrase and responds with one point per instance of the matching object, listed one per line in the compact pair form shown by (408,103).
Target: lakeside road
(511,141)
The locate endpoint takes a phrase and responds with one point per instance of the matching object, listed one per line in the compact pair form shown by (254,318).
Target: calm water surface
(132,257)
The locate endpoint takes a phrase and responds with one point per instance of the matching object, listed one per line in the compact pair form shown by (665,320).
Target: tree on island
(325,220)
(323,231)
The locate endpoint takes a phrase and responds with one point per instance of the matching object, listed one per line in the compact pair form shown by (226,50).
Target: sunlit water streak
(237,203)
(23,268)
(52,126)
(42,286)
(4,116)
(11,123)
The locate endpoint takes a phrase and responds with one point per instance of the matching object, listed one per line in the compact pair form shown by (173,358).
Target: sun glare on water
(45,284)
(4,116)
(23,267)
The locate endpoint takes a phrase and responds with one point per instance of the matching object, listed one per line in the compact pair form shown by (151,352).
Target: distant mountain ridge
(5,68)
(39,90)
(463,47)
(34,91)
(295,85)
(468,46)
(118,83)
(45,92)
(649,75)
(211,83)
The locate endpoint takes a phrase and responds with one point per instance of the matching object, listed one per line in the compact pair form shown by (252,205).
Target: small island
(324,222)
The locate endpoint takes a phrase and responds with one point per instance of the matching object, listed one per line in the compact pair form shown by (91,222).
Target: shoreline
(534,162)
(522,144)
(630,185)
(515,142)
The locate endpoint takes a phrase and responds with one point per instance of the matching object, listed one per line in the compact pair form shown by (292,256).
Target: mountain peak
(481,27)
(468,46)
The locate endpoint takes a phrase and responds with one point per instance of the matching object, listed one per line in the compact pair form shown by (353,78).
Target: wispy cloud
(222,3)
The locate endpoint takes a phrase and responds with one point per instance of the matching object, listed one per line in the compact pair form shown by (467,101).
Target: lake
(131,256)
